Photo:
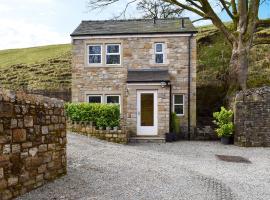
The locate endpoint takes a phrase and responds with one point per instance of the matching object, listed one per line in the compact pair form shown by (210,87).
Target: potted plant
(223,120)
(174,134)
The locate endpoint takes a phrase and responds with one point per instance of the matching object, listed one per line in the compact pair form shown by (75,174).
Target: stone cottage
(147,66)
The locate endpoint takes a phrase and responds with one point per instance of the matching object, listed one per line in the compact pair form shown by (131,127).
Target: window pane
(113,99)
(112,48)
(178,109)
(94,49)
(159,47)
(95,59)
(147,109)
(178,99)
(94,99)
(159,58)
(113,59)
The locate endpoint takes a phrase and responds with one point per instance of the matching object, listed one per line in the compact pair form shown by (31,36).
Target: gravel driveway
(181,170)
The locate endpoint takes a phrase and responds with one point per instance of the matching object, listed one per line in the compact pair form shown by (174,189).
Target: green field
(37,68)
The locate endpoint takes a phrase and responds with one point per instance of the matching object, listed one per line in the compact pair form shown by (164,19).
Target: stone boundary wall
(252,117)
(32,142)
(110,135)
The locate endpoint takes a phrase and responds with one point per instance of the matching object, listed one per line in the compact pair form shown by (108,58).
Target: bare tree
(241,36)
(158,9)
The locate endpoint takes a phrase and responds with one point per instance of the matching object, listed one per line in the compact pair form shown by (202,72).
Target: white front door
(147,123)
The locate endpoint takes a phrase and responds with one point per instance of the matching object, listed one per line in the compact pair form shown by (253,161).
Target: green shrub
(175,123)
(102,115)
(223,120)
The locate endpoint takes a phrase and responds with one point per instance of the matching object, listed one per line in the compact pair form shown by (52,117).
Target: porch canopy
(148,76)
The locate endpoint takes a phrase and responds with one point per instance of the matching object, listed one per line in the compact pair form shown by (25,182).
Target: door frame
(147,130)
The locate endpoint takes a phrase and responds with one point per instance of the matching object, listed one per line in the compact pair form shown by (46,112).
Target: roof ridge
(141,19)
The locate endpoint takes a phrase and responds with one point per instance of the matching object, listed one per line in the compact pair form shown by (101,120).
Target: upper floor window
(113,54)
(178,104)
(159,53)
(95,52)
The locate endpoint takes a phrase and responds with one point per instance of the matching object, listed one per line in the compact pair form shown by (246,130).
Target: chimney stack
(155,18)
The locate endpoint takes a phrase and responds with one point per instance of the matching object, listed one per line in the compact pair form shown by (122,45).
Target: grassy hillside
(46,67)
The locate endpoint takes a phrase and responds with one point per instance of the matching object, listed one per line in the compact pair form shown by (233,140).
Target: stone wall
(136,53)
(32,142)
(110,135)
(63,94)
(252,117)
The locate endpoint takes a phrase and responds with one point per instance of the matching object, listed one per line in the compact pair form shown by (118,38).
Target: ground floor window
(113,99)
(95,98)
(110,98)
(178,104)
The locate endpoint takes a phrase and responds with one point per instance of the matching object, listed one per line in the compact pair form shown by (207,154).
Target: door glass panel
(147,109)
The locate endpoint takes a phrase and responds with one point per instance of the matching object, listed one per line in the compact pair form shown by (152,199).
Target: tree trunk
(239,66)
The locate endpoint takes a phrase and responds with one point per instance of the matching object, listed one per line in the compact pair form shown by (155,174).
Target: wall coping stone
(20,96)
(254,94)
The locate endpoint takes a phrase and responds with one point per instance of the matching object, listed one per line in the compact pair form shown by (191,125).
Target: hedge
(102,115)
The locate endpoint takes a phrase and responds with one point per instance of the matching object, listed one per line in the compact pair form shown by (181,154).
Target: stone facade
(32,142)
(252,118)
(110,134)
(137,53)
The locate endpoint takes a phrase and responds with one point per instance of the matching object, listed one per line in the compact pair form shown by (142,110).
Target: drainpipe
(189,82)
(170,112)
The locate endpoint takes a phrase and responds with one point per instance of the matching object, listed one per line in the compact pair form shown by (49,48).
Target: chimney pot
(182,23)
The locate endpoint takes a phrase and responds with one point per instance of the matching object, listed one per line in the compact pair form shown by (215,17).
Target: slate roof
(147,75)
(136,26)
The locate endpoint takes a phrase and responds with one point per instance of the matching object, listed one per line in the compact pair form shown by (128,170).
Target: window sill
(103,66)
(180,115)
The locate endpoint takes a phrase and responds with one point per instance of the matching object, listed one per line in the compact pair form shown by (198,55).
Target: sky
(27,23)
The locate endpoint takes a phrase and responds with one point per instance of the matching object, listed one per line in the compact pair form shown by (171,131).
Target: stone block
(6,195)
(42,168)
(1,173)
(19,135)
(33,151)
(12,181)
(28,121)
(13,123)
(42,148)
(16,148)
(44,130)
(3,184)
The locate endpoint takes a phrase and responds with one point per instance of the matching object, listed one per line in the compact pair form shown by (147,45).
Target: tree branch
(206,7)
(234,8)
(227,8)
(190,8)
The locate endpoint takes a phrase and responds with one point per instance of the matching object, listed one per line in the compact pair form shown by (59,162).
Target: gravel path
(182,170)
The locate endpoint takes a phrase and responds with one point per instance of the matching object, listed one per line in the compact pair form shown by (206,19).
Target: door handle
(139,113)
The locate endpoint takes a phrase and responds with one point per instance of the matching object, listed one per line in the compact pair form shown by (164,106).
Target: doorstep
(147,139)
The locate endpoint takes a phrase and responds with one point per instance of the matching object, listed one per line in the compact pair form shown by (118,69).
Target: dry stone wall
(110,134)
(252,118)
(32,142)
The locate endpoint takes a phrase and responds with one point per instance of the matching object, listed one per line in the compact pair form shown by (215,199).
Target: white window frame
(107,54)
(160,53)
(95,95)
(114,95)
(101,54)
(179,104)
